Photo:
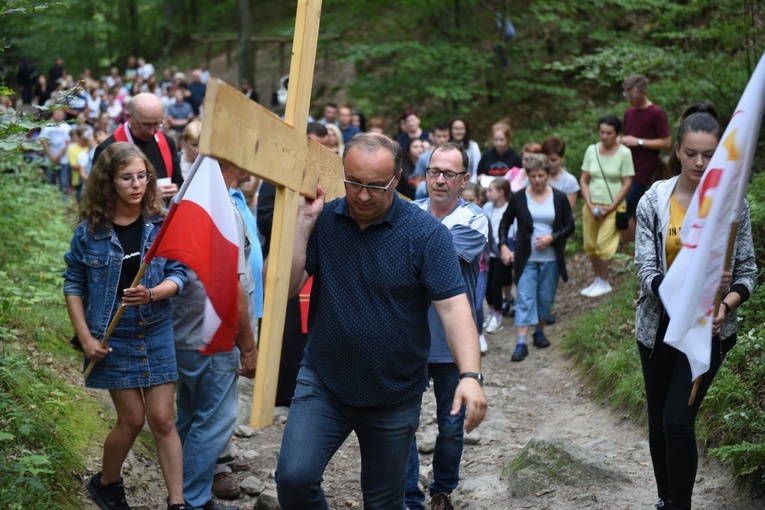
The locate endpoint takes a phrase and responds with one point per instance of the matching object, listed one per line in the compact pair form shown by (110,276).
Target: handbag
(622,219)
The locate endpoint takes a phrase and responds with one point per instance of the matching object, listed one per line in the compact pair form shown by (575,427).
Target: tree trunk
(246,57)
(168,37)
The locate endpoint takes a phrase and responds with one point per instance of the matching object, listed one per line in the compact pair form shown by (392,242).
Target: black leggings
(497,277)
(671,421)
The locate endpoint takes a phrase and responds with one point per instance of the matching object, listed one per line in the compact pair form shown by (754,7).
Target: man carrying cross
(377,262)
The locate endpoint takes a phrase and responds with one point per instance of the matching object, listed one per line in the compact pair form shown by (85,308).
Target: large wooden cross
(244,133)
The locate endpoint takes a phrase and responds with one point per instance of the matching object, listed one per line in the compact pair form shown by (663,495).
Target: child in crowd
(499,274)
(475,194)
(76,148)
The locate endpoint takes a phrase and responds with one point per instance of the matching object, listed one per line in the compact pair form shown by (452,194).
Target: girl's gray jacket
(651,260)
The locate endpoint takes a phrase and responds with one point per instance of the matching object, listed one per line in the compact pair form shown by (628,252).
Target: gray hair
(535,162)
(372,142)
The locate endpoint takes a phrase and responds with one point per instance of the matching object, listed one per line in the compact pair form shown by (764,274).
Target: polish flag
(200,231)
(689,289)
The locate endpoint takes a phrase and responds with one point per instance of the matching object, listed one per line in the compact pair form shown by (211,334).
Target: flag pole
(149,255)
(718,300)
(116,318)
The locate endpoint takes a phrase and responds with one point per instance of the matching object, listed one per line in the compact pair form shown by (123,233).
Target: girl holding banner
(119,218)
(666,371)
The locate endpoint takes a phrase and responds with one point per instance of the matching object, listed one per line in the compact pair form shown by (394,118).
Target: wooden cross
(244,133)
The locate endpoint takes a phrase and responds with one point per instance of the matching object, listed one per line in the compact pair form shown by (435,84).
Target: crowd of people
(482,222)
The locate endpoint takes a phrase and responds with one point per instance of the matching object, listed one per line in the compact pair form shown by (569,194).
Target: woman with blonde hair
(190,146)
(335,143)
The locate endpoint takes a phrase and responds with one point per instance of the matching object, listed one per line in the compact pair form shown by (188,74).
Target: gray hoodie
(651,260)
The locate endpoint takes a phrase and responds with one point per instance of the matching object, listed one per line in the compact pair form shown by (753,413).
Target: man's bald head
(145,115)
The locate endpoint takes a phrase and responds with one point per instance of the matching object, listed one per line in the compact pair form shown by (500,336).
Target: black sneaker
(551,320)
(521,351)
(662,505)
(178,506)
(107,497)
(540,340)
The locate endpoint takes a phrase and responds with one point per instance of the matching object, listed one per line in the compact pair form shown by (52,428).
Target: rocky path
(540,397)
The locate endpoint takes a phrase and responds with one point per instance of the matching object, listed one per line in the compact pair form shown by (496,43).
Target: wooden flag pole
(718,300)
(116,319)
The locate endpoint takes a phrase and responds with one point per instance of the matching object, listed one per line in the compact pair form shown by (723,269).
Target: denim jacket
(94,262)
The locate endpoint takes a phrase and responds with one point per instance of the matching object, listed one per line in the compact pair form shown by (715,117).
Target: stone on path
(472,437)
(250,455)
(252,486)
(243,431)
(267,501)
(427,443)
(544,464)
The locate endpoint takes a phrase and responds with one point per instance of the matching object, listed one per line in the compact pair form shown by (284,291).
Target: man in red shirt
(646,133)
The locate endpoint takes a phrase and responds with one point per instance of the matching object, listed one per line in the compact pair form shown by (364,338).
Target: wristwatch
(473,375)
(640,142)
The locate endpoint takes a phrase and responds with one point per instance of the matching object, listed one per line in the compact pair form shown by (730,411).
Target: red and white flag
(200,231)
(688,291)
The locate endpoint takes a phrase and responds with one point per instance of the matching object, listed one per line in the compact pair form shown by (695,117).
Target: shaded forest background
(557,75)
(560,72)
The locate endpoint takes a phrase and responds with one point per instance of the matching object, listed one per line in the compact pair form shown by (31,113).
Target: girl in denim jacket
(119,218)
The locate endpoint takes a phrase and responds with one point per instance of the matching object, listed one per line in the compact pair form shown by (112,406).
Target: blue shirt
(469,228)
(349,132)
(368,337)
(256,255)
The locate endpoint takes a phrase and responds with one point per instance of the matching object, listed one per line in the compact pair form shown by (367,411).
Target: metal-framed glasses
(375,191)
(631,96)
(449,175)
(148,126)
(127,180)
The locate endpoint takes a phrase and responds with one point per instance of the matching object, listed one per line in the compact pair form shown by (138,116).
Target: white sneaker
(602,288)
(586,291)
(495,324)
(487,320)
(483,344)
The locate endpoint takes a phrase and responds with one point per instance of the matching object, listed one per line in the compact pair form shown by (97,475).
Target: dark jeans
(317,426)
(448,452)
(671,421)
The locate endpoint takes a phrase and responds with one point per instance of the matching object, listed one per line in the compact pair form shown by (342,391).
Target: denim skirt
(142,355)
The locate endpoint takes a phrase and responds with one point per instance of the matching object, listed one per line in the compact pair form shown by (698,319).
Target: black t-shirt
(496,165)
(130,239)
(151,149)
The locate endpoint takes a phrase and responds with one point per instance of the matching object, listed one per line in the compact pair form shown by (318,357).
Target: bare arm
(462,338)
(308,214)
(656,144)
(244,339)
(584,185)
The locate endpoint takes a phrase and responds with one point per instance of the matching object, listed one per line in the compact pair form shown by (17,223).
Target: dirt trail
(541,397)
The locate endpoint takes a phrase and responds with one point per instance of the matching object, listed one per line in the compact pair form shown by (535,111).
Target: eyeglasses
(127,180)
(148,126)
(375,191)
(449,175)
(631,96)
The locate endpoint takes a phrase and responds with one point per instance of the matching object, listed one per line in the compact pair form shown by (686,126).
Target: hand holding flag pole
(690,290)
(147,259)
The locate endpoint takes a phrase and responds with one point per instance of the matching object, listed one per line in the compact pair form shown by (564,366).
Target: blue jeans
(207,406)
(536,292)
(448,453)
(317,426)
